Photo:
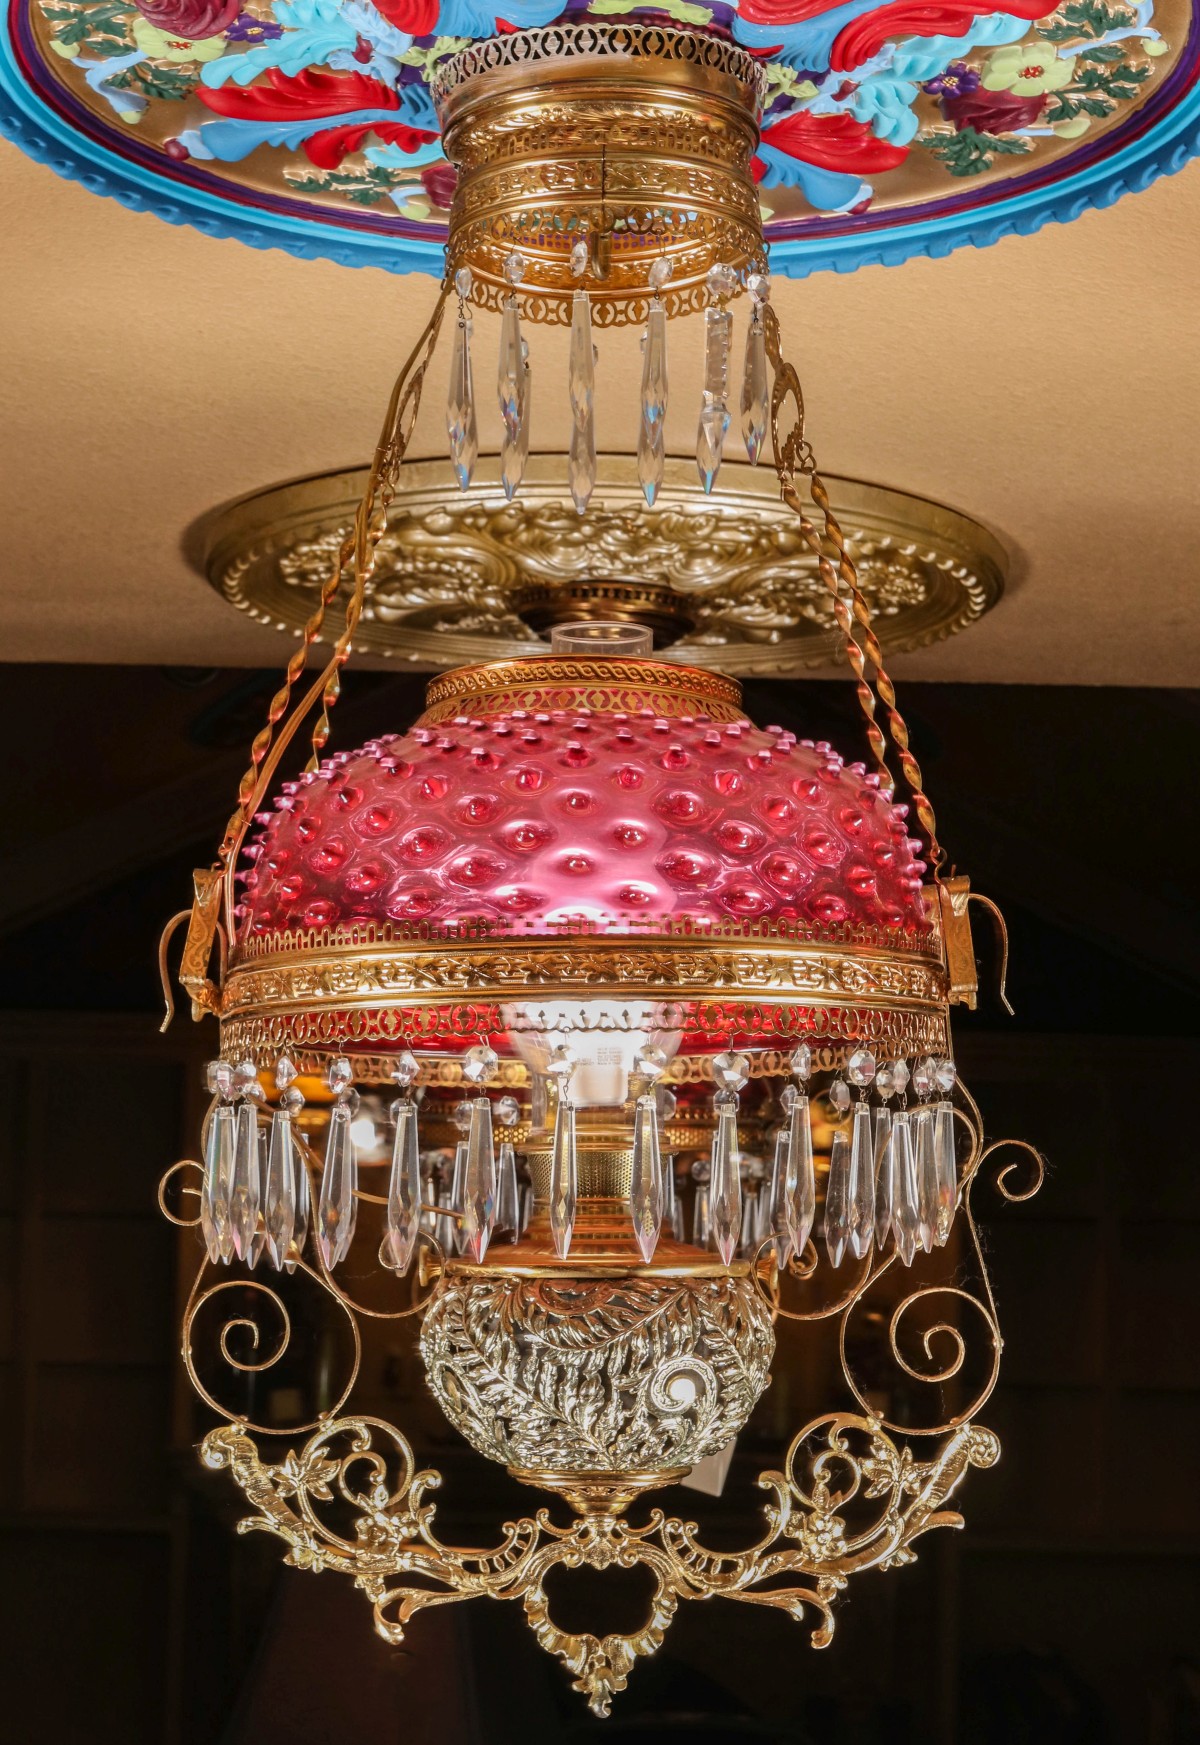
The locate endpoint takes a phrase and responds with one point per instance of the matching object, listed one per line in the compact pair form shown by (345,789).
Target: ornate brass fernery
(665,996)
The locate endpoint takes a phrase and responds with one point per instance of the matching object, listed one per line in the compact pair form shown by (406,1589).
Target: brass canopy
(636,138)
(725,581)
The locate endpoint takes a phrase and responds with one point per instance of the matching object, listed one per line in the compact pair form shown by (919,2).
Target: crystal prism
(802,1180)
(511,370)
(882,1141)
(244,1185)
(755,398)
(837,1199)
(778,1217)
(279,1187)
(904,1188)
(404,1190)
(581,463)
(337,1206)
(564,1179)
(725,1184)
(291,1259)
(862,1182)
(710,441)
(218,1176)
(651,437)
(460,405)
(514,451)
(701,1222)
(258,1236)
(945,1170)
(455,1198)
(508,1193)
(646,1190)
(927,1183)
(479,1181)
(581,459)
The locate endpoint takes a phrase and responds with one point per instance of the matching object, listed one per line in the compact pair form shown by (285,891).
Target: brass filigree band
(637,138)
(616,684)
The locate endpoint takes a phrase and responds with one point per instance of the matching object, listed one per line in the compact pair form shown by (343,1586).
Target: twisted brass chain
(793,454)
(356,553)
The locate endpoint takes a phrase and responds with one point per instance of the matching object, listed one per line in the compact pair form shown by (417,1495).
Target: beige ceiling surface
(1049,385)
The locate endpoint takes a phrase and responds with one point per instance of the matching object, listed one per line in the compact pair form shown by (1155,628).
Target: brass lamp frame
(850,1493)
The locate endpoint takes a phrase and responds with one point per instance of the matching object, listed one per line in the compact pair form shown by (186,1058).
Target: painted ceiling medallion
(888,129)
(727,581)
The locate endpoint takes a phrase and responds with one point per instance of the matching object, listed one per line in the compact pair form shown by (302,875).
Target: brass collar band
(611,685)
(637,139)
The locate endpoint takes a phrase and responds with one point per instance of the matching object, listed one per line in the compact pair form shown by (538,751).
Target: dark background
(1067,1610)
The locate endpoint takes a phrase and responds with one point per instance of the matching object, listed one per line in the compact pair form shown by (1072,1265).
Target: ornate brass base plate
(725,581)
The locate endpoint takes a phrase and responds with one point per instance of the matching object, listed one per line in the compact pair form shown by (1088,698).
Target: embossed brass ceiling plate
(726,581)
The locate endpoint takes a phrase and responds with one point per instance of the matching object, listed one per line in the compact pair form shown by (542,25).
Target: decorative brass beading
(637,138)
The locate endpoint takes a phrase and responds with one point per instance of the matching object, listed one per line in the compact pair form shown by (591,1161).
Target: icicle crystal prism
(904,1188)
(725,1183)
(479,1181)
(777,1222)
(882,1140)
(714,409)
(218,1176)
(802,1179)
(508,1192)
(404,1189)
(245,1186)
(279,1188)
(337,1205)
(510,374)
(927,1182)
(945,1170)
(461,423)
(862,1183)
(651,452)
(646,1191)
(514,450)
(581,381)
(755,388)
(564,1176)
(837,1199)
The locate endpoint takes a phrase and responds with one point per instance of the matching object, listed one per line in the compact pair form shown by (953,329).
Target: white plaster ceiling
(1049,385)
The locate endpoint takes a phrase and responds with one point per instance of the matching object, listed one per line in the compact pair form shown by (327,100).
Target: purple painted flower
(958,80)
(247,28)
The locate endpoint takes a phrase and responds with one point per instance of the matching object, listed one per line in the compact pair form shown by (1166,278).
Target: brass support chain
(793,454)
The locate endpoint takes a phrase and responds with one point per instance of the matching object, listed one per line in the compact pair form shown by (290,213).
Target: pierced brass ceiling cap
(726,581)
(634,138)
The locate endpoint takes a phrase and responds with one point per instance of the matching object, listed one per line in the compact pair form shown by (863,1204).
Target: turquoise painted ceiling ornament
(897,129)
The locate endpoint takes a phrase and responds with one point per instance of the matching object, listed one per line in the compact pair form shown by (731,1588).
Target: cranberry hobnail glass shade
(629,821)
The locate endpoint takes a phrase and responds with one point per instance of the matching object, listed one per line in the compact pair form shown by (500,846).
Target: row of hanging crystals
(251,1189)
(581,381)
(651,453)
(461,423)
(897,1175)
(714,409)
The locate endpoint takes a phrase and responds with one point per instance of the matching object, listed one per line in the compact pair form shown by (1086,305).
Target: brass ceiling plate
(726,581)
